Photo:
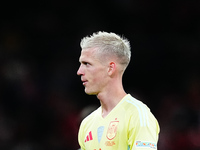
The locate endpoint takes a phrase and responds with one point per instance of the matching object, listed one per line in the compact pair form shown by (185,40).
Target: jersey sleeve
(143,132)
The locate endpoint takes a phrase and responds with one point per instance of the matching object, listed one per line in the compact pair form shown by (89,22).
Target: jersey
(129,126)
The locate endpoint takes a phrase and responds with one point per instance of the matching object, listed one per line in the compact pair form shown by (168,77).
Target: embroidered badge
(112,130)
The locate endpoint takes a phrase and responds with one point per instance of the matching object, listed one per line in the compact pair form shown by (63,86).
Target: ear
(112,68)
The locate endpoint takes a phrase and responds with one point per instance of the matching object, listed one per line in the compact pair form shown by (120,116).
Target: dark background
(42,100)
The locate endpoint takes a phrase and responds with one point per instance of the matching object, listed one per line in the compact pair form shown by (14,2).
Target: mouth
(84,82)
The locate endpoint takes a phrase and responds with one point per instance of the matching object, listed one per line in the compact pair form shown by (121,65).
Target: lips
(84,82)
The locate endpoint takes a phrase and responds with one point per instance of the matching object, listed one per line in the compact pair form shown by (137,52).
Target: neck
(110,99)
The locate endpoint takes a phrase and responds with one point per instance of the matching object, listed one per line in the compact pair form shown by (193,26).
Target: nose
(80,72)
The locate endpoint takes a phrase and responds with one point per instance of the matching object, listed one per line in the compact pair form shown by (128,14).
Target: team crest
(112,130)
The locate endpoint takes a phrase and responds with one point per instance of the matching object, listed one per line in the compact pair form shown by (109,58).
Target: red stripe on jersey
(90,135)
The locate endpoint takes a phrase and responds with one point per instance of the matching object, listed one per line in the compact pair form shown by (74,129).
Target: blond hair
(109,44)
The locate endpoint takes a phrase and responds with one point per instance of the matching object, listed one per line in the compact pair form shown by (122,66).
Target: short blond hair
(109,44)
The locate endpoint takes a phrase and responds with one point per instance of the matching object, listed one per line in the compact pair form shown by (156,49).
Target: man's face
(93,73)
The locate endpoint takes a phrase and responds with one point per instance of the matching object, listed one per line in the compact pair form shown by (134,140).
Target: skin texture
(92,72)
(101,77)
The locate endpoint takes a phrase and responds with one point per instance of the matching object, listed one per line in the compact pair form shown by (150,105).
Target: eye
(86,63)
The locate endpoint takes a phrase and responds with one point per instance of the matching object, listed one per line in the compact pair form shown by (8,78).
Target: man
(121,122)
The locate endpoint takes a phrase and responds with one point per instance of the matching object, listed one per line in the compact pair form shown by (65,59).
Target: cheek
(99,76)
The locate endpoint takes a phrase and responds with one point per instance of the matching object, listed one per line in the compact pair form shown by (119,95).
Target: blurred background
(42,100)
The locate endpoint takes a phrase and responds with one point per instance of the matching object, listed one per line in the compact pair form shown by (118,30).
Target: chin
(90,92)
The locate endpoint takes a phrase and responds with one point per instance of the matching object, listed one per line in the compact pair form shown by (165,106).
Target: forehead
(87,54)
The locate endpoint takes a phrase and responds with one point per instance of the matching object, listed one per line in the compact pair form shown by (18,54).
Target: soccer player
(121,122)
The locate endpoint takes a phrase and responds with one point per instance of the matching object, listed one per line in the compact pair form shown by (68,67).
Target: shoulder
(138,111)
(134,105)
(90,117)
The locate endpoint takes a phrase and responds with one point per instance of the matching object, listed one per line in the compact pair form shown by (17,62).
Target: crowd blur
(42,100)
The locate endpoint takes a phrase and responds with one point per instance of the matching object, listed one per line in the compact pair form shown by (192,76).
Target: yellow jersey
(129,126)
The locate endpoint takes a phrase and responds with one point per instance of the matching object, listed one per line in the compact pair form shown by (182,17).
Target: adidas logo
(89,137)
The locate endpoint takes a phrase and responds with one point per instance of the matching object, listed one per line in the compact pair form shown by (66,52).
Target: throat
(109,103)
(104,114)
(106,111)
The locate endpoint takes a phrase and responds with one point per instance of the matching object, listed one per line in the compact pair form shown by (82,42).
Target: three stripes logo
(89,137)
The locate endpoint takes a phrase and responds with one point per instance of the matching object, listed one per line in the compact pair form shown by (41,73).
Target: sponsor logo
(112,130)
(144,144)
(89,137)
